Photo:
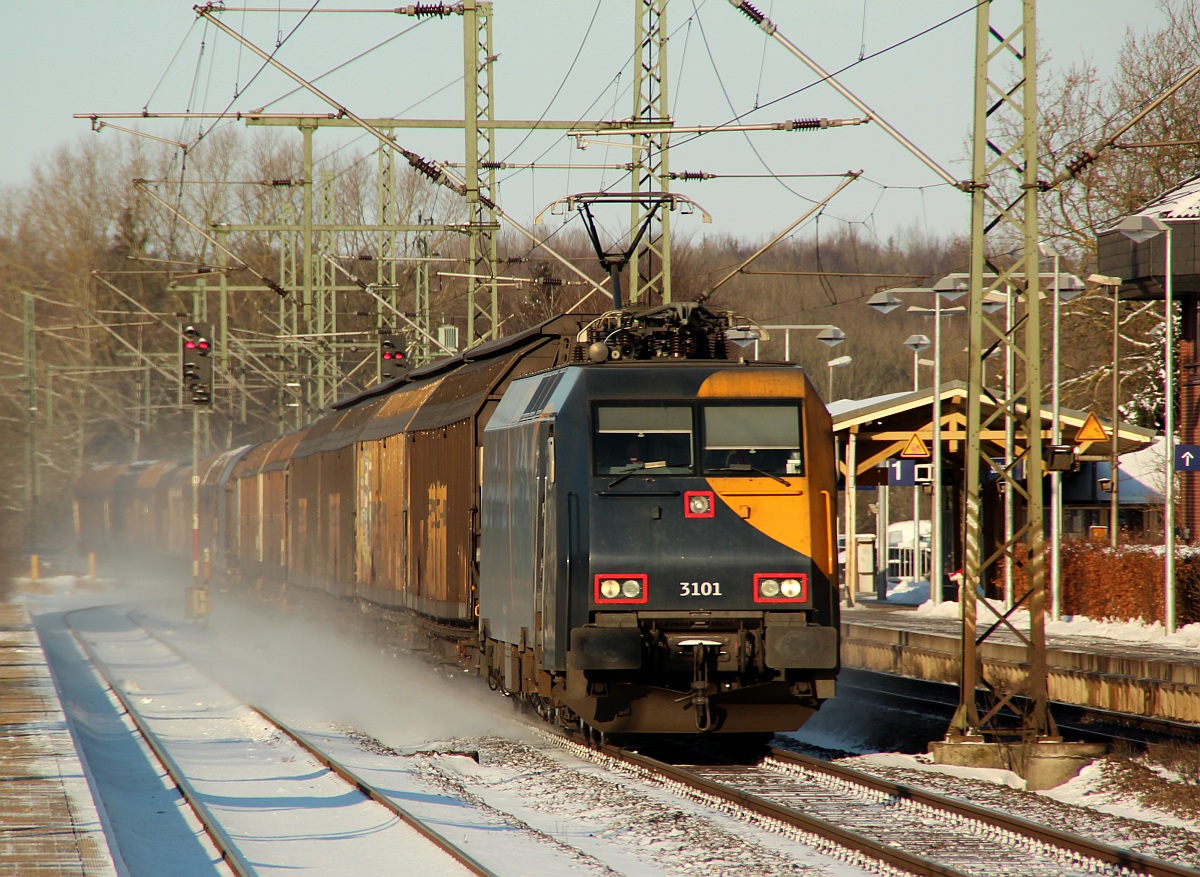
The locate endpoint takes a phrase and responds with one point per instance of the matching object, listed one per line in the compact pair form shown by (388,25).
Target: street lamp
(1114,498)
(836,362)
(1141,228)
(830,336)
(886,302)
(1065,289)
(918,344)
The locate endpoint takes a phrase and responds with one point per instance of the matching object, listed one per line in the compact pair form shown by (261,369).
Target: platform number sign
(902,473)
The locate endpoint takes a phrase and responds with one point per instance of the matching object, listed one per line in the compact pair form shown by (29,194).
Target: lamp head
(831,336)
(885,302)
(1104,280)
(917,343)
(1141,227)
(953,286)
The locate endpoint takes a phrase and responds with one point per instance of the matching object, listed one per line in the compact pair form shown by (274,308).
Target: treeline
(115,240)
(114,243)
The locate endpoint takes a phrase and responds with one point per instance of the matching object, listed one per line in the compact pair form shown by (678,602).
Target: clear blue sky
(568,59)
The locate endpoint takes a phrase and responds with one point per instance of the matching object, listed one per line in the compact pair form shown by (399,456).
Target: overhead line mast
(1005,93)
(650,264)
(1024,694)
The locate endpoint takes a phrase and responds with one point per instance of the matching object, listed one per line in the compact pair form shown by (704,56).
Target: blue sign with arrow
(1187,458)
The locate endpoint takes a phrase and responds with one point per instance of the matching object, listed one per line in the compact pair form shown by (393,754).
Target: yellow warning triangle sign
(1091,431)
(915,448)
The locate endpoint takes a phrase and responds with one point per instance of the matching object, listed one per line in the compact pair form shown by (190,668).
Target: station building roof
(885,425)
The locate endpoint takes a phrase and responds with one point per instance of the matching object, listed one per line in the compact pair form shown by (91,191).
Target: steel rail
(1106,853)
(1100,852)
(349,776)
(761,806)
(221,840)
(224,843)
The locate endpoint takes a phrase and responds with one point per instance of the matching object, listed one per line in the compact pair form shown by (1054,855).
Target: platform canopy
(885,427)
(1141,265)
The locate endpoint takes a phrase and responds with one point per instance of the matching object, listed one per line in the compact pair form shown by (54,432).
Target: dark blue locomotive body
(656,546)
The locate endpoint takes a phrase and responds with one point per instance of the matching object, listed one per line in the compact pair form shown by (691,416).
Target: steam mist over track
(274,789)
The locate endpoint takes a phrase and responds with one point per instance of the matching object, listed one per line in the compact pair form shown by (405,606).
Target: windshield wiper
(642,467)
(746,467)
(625,475)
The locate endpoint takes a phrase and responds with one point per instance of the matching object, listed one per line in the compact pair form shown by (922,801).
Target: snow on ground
(264,790)
(526,808)
(1186,637)
(524,803)
(1089,789)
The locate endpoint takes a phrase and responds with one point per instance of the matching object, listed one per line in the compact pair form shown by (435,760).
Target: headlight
(781,587)
(698,504)
(630,587)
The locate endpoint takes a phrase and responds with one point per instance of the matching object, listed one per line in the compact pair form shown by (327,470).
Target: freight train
(604,516)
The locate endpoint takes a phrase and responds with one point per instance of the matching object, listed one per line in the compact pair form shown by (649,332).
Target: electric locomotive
(657,544)
(614,523)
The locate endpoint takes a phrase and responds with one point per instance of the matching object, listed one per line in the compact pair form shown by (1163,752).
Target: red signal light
(203,344)
(189,344)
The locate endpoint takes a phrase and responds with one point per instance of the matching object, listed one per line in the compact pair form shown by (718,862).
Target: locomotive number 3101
(699,589)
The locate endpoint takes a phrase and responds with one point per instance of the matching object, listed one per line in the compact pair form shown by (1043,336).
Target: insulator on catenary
(815,124)
(1080,162)
(691,175)
(551,281)
(428,168)
(751,13)
(421,9)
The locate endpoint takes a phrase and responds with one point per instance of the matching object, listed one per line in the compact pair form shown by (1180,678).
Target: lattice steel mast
(1005,98)
(650,265)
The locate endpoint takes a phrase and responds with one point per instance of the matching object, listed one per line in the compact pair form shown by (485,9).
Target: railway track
(858,818)
(872,824)
(336,800)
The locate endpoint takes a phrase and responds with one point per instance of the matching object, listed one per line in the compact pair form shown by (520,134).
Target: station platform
(49,822)
(1159,681)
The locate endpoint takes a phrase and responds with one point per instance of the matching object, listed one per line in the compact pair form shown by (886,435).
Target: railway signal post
(393,359)
(196,373)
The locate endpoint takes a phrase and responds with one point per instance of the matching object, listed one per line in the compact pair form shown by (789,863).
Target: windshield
(752,438)
(648,439)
